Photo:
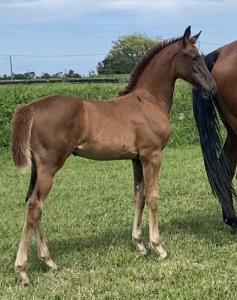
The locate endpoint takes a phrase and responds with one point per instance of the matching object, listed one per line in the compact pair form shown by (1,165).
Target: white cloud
(46,10)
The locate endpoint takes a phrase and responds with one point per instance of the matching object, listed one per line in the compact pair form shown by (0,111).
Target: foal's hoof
(163,255)
(51,265)
(142,252)
(140,248)
(23,279)
(21,275)
(159,250)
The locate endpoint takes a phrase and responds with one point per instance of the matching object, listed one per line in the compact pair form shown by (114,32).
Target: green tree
(45,76)
(125,53)
(72,74)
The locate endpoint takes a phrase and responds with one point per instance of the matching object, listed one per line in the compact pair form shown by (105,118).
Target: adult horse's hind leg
(151,167)
(230,149)
(34,210)
(139,201)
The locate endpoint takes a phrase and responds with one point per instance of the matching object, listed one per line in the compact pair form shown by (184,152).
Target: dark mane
(144,61)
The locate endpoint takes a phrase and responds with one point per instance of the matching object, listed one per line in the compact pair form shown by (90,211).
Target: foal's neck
(159,77)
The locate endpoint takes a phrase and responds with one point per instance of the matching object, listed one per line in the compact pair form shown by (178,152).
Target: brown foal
(133,126)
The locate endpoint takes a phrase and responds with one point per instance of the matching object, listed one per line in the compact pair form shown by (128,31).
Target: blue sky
(37,29)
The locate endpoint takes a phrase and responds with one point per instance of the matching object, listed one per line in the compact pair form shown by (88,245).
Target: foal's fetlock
(138,243)
(159,250)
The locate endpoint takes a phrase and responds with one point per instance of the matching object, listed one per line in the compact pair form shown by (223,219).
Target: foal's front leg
(139,201)
(151,167)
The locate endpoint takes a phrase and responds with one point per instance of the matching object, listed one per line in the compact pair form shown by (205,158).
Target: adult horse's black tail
(215,160)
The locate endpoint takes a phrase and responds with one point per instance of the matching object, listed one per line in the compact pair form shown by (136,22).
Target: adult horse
(220,161)
(133,126)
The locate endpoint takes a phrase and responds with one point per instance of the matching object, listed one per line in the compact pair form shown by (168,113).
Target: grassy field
(88,220)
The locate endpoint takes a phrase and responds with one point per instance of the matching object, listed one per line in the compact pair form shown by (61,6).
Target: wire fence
(52,63)
(83,64)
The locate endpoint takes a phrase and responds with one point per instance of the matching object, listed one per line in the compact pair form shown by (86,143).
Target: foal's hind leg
(34,209)
(139,200)
(42,248)
(151,167)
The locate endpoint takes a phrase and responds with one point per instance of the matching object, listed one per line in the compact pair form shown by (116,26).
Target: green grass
(88,220)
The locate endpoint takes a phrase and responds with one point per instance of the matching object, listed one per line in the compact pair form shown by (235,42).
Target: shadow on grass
(201,226)
(97,242)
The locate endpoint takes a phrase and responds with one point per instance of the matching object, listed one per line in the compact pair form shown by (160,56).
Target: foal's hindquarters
(42,137)
(50,133)
(44,167)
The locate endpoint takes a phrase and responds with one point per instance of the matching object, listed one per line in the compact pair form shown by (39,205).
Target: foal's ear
(186,35)
(194,38)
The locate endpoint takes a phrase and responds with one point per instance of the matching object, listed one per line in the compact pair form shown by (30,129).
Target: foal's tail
(215,160)
(20,136)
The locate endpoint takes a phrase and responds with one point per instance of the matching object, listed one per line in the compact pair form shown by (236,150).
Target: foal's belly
(105,152)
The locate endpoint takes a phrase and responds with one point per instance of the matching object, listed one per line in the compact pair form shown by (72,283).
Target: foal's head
(189,64)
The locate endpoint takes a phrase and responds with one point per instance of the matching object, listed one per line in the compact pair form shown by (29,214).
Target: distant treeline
(60,80)
(31,75)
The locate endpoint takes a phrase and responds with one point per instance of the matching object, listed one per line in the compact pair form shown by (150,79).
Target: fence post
(10,58)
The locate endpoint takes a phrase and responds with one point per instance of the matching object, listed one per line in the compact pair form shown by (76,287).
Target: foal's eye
(195,58)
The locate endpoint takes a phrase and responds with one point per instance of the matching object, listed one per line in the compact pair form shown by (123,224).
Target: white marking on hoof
(140,248)
(163,255)
(51,265)
(23,279)
(159,250)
